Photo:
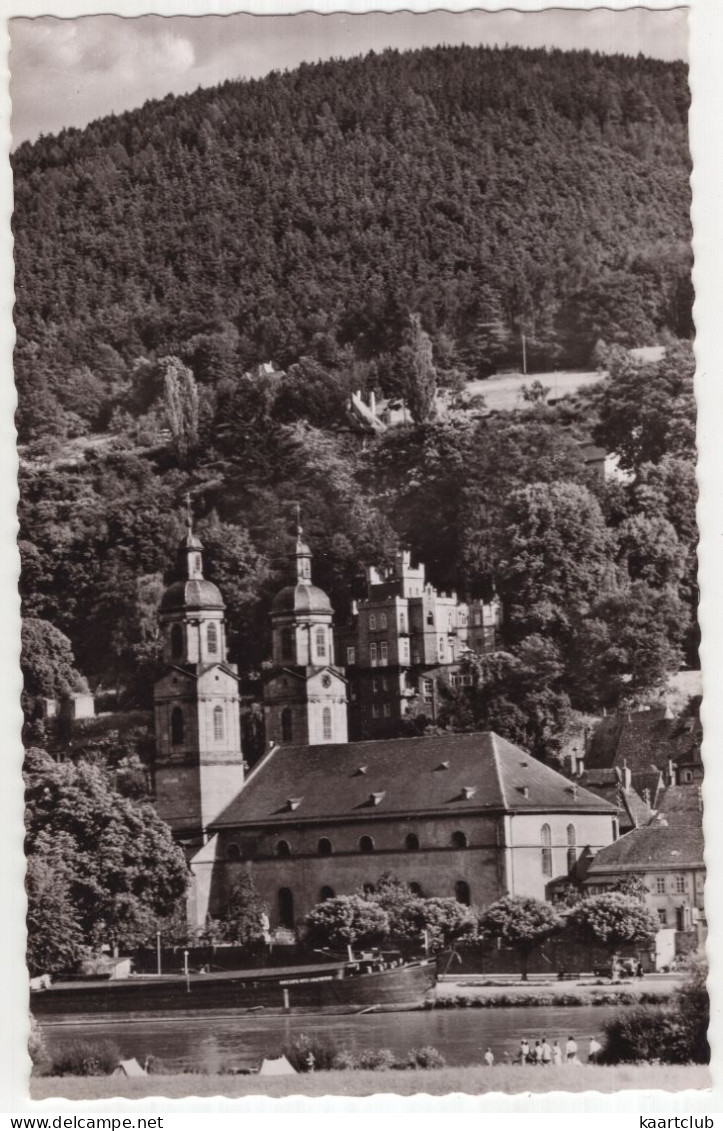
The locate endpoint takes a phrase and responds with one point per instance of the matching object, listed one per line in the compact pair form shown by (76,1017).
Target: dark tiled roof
(681,805)
(645,737)
(656,846)
(608,784)
(454,773)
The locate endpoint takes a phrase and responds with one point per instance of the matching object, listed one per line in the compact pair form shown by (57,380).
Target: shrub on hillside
(87,1058)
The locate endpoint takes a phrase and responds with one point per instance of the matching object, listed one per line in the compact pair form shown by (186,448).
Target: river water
(212,1044)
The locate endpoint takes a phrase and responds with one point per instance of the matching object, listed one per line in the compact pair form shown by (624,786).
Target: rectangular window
(477,618)
(680,884)
(373,654)
(427,688)
(351,655)
(662,916)
(383,652)
(405,648)
(453,679)
(387,710)
(660,885)
(375,710)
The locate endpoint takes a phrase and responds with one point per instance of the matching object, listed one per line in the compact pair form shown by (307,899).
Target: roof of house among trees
(644,738)
(659,847)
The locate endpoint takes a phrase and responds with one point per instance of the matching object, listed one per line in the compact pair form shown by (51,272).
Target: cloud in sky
(67,72)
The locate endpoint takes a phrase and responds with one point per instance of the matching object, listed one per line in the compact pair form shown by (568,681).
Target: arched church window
(326,893)
(287,726)
(412,842)
(287,644)
(283,848)
(177,726)
(459,840)
(197,562)
(321,643)
(462,893)
(372,622)
(546,854)
(326,723)
(177,641)
(383,620)
(286,907)
(212,638)
(218,723)
(366,844)
(571,848)
(324,847)
(233,853)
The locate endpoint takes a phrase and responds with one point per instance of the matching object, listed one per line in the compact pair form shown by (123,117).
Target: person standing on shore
(594,1050)
(538,1053)
(489,1058)
(546,1053)
(556,1053)
(571,1049)
(524,1051)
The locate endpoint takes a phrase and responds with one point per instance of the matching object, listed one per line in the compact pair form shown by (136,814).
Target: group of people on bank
(545,1054)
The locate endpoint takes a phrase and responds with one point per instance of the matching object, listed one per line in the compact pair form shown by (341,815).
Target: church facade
(463,815)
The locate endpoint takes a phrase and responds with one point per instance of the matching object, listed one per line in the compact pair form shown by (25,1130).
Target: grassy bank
(473,1080)
(488,993)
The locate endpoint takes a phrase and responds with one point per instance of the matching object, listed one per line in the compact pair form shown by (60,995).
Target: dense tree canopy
(490,192)
(520,922)
(102,868)
(614,920)
(384,223)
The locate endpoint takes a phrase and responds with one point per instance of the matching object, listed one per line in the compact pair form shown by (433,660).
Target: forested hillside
(382,223)
(305,214)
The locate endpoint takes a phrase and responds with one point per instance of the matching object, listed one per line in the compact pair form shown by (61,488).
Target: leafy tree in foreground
(613,920)
(121,870)
(346,920)
(647,412)
(521,922)
(47,661)
(444,921)
(245,918)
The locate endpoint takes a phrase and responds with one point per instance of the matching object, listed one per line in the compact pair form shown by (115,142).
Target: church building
(464,815)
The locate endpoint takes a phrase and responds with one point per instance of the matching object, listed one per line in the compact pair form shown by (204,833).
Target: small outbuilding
(278,1066)
(130,1068)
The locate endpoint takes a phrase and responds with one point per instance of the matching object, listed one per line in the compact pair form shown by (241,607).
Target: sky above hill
(67,72)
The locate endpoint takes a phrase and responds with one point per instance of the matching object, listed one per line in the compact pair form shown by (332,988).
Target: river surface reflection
(212,1044)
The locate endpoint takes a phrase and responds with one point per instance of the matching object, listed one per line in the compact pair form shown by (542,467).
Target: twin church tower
(199,765)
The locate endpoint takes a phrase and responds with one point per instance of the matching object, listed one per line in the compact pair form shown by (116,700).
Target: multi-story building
(403,638)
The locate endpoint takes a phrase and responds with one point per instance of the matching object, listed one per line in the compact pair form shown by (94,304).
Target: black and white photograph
(357,544)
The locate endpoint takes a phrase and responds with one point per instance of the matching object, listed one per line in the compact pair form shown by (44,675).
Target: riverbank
(493,991)
(474,1080)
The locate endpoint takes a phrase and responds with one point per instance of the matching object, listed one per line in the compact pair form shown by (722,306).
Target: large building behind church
(404,638)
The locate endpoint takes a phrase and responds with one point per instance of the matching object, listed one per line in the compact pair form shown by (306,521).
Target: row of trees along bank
(392,913)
